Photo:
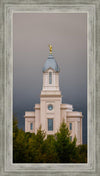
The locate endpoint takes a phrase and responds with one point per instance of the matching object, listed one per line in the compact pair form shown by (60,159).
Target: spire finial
(50,48)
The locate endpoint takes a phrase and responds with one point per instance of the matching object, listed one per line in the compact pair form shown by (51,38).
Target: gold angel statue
(50,48)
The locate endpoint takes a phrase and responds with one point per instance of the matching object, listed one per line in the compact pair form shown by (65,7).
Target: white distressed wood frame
(8,8)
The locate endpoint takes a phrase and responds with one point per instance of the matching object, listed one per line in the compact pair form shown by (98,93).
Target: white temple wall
(28,122)
(55,81)
(37,119)
(76,128)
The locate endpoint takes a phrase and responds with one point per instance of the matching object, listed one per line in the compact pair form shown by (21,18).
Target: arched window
(50,77)
(31,126)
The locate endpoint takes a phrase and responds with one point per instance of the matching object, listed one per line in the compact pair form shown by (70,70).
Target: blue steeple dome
(51,63)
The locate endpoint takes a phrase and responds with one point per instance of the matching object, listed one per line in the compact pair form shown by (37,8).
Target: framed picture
(70,31)
(68,34)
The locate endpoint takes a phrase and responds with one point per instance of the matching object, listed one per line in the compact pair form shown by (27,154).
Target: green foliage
(65,148)
(40,148)
(15,127)
(82,153)
(49,150)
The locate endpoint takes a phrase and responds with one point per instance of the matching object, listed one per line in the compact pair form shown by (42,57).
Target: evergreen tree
(65,148)
(49,150)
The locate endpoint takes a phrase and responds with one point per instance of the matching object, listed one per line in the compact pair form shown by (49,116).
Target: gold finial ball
(50,48)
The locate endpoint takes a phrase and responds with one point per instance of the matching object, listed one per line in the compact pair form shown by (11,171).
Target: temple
(50,113)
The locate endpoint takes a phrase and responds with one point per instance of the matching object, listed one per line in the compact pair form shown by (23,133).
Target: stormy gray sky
(32,32)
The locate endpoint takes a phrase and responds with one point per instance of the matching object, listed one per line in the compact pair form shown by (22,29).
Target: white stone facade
(51,112)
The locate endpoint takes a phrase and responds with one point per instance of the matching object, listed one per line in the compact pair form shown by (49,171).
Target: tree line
(37,148)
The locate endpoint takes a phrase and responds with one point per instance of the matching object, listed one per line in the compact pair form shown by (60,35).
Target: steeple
(51,62)
(50,73)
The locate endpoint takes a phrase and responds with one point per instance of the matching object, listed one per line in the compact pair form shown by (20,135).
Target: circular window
(50,107)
